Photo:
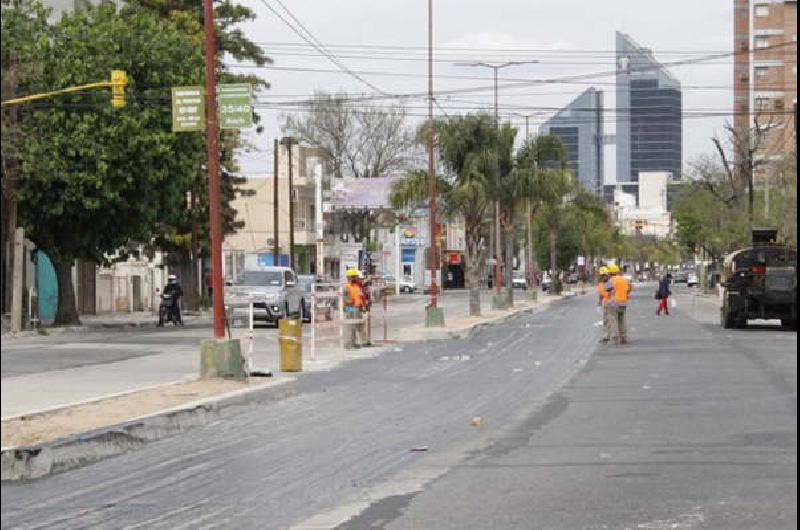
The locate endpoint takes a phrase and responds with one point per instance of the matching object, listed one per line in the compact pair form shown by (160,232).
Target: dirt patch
(38,428)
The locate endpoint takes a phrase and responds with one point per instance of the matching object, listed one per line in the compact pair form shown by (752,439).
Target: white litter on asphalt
(537,363)
(398,350)
(645,387)
(477,421)
(605,455)
(598,324)
(420,448)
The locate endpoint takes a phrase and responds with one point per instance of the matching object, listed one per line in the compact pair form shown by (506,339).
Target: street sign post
(235,106)
(188,109)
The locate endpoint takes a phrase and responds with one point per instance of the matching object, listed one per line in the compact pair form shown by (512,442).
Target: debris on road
(419,449)
(477,421)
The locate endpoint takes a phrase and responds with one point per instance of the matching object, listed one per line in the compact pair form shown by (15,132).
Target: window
(762,42)
(762,103)
(762,11)
(762,72)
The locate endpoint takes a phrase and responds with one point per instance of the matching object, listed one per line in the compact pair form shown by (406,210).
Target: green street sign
(235,106)
(188,109)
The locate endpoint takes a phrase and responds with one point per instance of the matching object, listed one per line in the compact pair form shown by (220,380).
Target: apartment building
(765,71)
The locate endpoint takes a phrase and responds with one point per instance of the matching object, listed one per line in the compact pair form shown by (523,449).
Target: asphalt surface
(527,424)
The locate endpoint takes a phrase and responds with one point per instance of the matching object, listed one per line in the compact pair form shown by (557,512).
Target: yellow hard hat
(603,270)
(351,273)
(613,269)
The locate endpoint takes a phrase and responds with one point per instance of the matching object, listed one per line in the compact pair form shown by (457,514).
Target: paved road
(689,426)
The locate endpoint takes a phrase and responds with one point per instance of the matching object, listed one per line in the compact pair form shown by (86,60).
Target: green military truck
(759,282)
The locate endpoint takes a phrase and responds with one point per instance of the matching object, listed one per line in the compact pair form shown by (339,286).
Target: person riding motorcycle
(172,289)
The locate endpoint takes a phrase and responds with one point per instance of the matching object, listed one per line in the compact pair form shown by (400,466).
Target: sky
(383,42)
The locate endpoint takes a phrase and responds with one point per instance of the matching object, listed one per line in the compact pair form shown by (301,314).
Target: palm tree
(465,148)
(503,187)
(542,183)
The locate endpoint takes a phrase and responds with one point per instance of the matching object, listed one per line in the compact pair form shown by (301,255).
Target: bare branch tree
(370,141)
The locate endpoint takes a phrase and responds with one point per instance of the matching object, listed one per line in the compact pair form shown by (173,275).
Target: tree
(703,221)
(537,186)
(465,145)
(93,177)
(503,187)
(364,142)
(188,237)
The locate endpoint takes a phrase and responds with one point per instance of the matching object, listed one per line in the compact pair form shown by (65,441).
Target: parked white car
(691,279)
(406,284)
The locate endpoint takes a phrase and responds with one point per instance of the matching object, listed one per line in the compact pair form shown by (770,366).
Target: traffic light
(118,81)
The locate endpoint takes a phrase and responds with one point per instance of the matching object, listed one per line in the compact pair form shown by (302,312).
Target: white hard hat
(172,277)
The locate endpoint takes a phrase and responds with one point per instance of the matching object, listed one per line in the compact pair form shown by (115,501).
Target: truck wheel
(727,320)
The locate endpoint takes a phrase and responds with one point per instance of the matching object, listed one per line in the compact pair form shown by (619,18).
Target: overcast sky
(383,41)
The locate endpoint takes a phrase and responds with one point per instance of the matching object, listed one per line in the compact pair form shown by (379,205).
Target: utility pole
(434,316)
(276,253)
(496,67)
(434,257)
(288,141)
(213,173)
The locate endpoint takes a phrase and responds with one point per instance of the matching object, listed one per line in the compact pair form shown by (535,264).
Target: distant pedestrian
(663,293)
(602,301)
(619,292)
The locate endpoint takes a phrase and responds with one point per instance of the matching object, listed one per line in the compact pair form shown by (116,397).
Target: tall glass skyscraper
(580,127)
(649,114)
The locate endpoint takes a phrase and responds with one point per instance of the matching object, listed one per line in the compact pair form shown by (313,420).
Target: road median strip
(40,444)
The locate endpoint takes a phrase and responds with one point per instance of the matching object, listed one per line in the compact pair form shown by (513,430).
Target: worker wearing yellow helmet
(602,302)
(619,291)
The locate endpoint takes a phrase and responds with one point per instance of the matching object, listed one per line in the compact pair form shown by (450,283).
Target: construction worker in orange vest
(602,301)
(619,292)
(352,309)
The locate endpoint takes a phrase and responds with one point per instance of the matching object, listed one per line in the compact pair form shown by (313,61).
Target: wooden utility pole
(217,285)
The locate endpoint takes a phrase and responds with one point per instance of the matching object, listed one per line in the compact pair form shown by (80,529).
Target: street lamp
(498,281)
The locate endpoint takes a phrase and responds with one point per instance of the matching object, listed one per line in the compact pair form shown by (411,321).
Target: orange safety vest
(621,289)
(601,290)
(353,295)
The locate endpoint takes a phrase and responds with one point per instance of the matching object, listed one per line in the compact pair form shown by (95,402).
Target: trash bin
(290,339)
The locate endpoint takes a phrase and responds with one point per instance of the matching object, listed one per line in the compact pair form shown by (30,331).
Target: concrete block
(221,358)
(434,317)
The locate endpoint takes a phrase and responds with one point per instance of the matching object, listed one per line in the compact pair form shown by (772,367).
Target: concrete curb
(19,463)
(418,334)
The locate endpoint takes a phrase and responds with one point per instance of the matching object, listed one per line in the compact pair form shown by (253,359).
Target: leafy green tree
(539,168)
(93,177)
(705,222)
(187,239)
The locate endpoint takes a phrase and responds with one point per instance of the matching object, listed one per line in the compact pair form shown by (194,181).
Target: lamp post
(496,67)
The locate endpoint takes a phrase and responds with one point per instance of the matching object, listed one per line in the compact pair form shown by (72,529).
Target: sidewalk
(179,357)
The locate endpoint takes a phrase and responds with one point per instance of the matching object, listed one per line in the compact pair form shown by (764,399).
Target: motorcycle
(167,310)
